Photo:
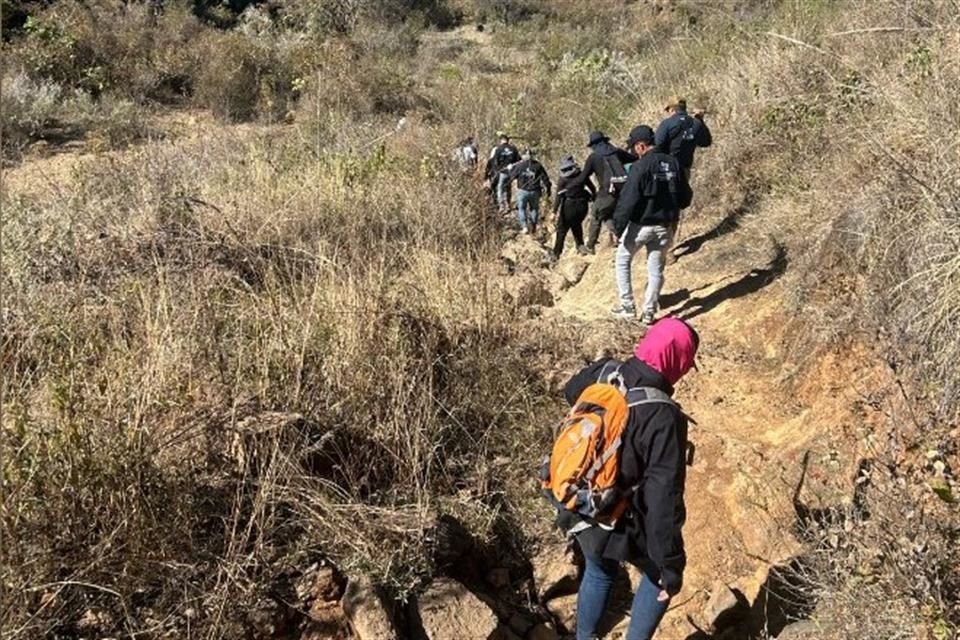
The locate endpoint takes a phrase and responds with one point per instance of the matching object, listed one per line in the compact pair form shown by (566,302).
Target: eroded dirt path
(752,432)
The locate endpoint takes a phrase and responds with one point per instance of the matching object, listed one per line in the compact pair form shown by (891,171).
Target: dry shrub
(42,110)
(27,107)
(207,287)
(103,46)
(885,563)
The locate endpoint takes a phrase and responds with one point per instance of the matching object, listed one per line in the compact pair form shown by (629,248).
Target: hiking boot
(590,249)
(583,251)
(624,313)
(648,318)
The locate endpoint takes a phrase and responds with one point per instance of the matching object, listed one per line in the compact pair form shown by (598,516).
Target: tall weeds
(228,355)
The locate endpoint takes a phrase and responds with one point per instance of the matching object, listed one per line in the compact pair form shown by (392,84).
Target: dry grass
(279,282)
(227,356)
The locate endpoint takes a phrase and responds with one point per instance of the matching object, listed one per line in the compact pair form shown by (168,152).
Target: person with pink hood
(653,471)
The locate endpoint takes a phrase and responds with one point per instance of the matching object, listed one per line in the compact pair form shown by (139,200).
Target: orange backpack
(581,473)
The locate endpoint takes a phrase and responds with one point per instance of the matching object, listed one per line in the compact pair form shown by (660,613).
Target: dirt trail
(751,434)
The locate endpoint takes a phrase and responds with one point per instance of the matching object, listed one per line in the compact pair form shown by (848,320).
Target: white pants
(657,240)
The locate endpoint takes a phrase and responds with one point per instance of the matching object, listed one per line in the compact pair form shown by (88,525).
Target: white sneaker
(525,229)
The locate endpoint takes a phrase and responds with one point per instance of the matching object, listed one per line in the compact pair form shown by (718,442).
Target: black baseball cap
(640,133)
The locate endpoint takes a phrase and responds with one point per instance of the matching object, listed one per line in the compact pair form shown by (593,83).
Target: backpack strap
(648,395)
(615,173)
(638,396)
(610,374)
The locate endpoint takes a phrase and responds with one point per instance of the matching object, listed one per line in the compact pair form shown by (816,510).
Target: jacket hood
(637,373)
(596,137)
(604,148)
(669,347)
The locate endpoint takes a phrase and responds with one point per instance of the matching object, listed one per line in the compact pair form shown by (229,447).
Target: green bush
(508,11)
(51,49)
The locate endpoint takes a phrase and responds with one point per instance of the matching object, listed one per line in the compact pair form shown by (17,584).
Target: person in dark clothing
(571,206)
(502,157)
(645,216)
(653,470)
(680,134)
(532,181)
(598,164)
(491,178)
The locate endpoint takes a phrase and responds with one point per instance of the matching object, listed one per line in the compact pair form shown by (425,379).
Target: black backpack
(611,181)
(504,156)
(668,178)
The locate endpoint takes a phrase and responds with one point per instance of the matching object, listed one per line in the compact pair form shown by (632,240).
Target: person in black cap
(571,205)
(608,164)
(655,192)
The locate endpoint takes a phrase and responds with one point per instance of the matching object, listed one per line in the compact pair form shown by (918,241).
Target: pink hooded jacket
(669,347)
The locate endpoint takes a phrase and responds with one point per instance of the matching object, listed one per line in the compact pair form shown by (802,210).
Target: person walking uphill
(502,157)
(532,181)
(645,216)
(571,206)
(608,164)
(680,134)
(649,479)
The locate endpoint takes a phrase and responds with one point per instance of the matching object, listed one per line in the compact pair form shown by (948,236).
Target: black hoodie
(594,165)
(653,459)
(647,199)
(530,176)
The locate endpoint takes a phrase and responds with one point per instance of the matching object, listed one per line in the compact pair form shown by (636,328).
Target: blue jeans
(598,577)
(503,190)
(528,208)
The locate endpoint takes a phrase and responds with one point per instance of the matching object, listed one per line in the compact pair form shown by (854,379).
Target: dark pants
(602,215)
(572,214)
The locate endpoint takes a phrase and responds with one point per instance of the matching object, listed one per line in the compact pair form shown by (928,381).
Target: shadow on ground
(726,226)
(785,598)
(752,282)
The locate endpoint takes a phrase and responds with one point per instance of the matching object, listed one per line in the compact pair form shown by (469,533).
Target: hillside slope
(251,368)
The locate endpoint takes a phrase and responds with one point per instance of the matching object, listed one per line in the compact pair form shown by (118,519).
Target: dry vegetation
(228,357)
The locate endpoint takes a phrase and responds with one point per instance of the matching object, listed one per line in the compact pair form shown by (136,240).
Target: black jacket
(582,191)
(653,459)
(680,135)
(647,199)
(530,176)
(503,155)
(594,165)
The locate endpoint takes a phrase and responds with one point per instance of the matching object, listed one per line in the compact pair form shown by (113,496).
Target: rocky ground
(755,422)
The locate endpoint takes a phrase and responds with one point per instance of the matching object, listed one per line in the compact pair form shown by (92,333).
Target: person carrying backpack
(502,157)
(608,163)
(680,134)
(571,206)
(532,181)
(645,216)
(616,475)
